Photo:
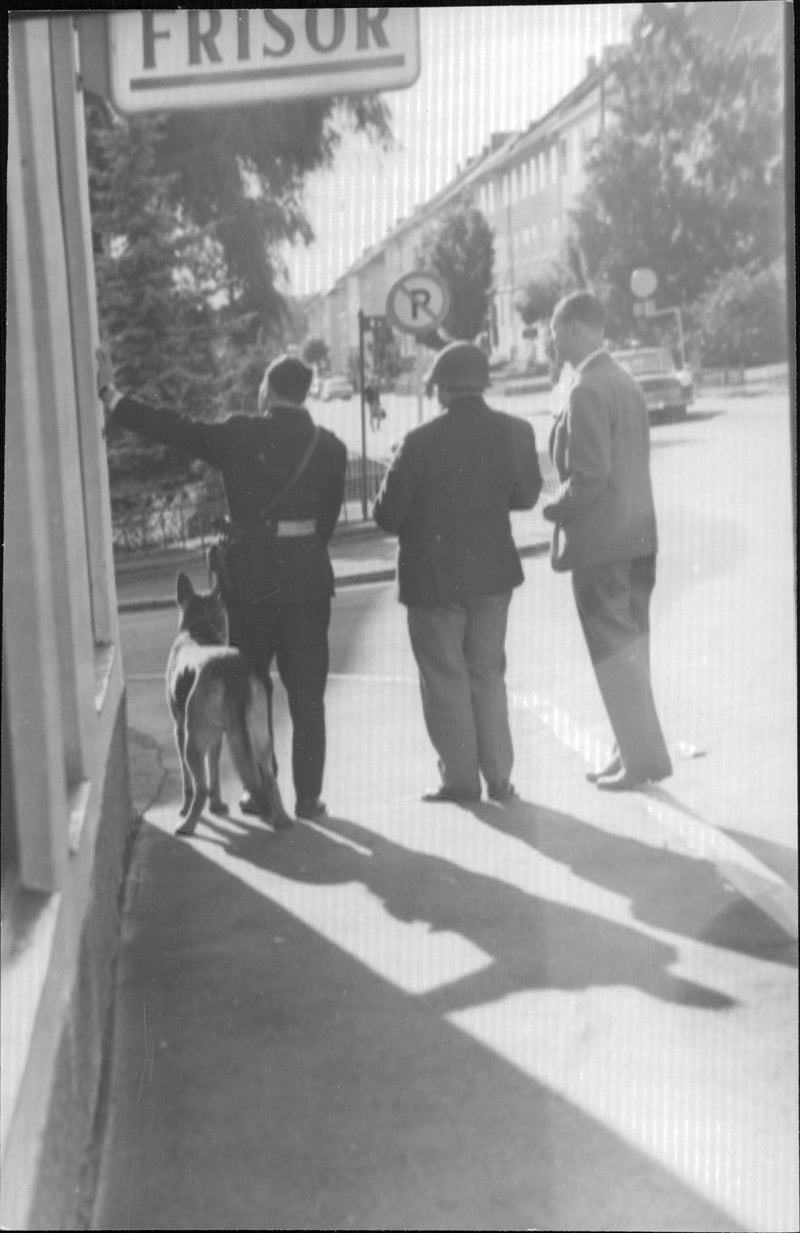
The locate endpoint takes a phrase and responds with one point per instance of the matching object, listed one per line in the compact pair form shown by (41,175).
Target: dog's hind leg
(216,803)
(186,779)
(196,762)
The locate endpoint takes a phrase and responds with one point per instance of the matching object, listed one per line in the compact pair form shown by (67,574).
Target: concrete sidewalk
(422,1016)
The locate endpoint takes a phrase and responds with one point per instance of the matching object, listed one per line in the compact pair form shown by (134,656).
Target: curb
(349,580)
(134,562)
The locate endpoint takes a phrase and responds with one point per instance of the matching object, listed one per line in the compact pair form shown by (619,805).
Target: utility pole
(361,381)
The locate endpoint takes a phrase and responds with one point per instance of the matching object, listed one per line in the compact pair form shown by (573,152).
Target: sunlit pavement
(578,1012)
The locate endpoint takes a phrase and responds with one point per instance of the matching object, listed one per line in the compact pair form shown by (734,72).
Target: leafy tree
(189,214)
(461,250)
(316,351)
(236,175)
(541,294)
(151,303)
(687,176)
(743,319)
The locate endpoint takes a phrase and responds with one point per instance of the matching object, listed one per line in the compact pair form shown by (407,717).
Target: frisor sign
(162,59)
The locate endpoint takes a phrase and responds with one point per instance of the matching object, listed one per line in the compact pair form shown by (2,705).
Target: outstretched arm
(192,437)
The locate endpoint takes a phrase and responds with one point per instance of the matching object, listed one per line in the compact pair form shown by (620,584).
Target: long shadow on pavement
(681,894)
(266,1078)
(534,943)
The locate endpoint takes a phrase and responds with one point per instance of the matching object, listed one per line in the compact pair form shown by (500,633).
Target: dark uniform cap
(290,378)
(460,366)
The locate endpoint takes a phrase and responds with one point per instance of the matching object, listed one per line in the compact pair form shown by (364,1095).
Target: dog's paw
(219,807)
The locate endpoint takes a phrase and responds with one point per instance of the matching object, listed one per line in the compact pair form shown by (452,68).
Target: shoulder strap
(298,471)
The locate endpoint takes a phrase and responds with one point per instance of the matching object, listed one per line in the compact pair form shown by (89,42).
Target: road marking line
(756,881)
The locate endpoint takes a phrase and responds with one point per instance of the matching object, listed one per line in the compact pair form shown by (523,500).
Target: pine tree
(152,305)
(461,250)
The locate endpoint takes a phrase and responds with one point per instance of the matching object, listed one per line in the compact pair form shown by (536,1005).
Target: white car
(665,389)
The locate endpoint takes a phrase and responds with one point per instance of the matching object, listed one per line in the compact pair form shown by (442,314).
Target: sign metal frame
(176,59)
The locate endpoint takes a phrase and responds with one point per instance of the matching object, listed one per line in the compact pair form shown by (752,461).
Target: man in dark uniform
(282,608)
(447,496)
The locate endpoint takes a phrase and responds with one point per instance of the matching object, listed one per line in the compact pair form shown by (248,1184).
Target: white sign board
(644,282)
(417,302)
(164,59)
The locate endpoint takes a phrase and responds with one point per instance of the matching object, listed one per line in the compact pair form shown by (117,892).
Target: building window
(534,181)
(525,187)
(563,156)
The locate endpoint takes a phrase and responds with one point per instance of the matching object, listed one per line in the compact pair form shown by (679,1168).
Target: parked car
(336,387)
(665,388)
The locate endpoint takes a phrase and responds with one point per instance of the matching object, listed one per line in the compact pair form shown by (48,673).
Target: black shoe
(627,780)
(311,808)
(614,766)
(451,794)
(502,792)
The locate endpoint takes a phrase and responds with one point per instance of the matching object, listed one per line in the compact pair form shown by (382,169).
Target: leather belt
(294,528)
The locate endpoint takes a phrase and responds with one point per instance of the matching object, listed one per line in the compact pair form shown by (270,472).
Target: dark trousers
(296,636)
(613,602)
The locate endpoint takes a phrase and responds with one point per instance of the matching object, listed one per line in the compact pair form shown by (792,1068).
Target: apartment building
(524,184)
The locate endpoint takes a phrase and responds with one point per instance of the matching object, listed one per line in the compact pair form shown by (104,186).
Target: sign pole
(361,378)
(416,304)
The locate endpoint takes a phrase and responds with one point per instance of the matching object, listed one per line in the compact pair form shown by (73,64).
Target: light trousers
(460,654)
(613,602)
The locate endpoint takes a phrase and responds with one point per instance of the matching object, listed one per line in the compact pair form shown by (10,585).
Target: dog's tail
(261,763)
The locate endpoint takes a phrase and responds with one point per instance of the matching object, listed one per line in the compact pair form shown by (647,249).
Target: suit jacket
(600,445)
(257,455)
(447,495)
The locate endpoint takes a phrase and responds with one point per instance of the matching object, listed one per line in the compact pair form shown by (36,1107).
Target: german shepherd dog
(213,690)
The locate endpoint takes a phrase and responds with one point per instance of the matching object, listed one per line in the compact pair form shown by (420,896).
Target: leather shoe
(311,808)
(626,780)
(613,767)
(450,794)
(501,792)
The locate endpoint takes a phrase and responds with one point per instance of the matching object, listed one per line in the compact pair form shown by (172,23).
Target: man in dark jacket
(605,533)
(285,615)
(447,495)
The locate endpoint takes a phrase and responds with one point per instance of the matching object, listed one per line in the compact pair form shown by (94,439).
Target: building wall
(66,806)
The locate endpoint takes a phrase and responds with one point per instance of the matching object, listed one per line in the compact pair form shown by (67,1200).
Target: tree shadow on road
(533,942)
(667,889)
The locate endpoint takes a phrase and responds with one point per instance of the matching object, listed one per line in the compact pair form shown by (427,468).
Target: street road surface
(580,1013)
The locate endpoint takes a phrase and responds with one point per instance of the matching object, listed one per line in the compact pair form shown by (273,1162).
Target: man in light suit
(447,495)
(605,533)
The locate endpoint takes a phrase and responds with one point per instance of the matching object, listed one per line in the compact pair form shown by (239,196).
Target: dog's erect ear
(185,590)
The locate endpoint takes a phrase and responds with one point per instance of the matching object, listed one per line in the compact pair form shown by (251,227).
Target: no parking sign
(417,302)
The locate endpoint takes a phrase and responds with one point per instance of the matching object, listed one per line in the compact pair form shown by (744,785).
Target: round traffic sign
(417,302)
(643,282)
